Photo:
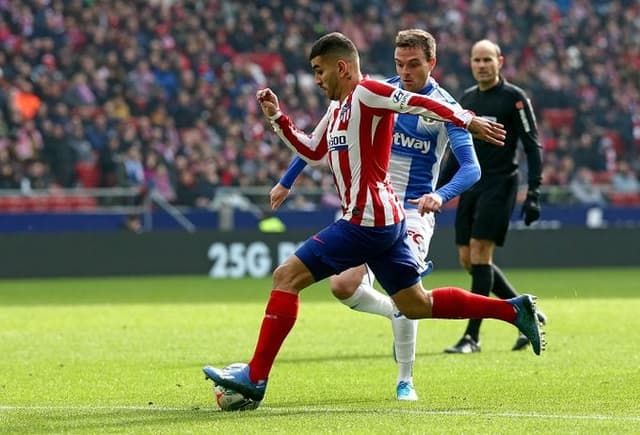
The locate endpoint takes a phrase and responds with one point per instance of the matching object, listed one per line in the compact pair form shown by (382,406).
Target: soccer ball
(230,400)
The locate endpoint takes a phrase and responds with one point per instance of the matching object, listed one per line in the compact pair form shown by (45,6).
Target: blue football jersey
(417,148)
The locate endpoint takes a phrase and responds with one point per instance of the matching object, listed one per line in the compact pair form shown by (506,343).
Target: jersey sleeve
(467,170)
(310,147)
(296,166)
(528,134)
(384,96)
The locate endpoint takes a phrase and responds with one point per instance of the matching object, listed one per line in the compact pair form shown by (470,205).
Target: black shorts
(485,210)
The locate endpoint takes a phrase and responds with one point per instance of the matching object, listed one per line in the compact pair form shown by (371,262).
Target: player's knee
(414,302)
(280,276)
(341,289)
(291,276)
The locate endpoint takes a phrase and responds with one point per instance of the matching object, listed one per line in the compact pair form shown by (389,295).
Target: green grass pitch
(124,355)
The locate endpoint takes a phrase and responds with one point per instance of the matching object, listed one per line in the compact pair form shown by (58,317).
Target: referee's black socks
(501,286)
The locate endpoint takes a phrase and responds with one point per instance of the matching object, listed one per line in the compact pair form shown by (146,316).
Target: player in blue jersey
(417,149)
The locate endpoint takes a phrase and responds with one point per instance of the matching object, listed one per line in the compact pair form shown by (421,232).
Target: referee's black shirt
(508,105)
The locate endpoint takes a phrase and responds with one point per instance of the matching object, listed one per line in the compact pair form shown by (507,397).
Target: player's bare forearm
(488,131)
(277,195)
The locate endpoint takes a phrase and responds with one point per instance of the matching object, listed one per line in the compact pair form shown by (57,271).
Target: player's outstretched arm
(310,147)
(382,95)
(488,131)
(386,96)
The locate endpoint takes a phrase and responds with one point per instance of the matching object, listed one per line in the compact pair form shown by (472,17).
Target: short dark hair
(335,44)
(411,38)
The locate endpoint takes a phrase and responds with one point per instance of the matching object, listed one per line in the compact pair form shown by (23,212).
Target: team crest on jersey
(424,120)
(345,112)
(426,126)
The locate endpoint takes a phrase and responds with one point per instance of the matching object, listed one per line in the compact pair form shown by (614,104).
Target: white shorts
(419,233)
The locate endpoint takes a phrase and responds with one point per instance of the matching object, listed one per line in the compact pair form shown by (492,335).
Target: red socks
(456,303)
(282,311)
(279,318)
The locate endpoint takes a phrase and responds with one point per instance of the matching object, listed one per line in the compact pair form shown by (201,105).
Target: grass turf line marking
(310,409)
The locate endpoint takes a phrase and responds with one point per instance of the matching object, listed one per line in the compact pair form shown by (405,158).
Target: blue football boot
(527,321)
(522,341)
(406,392)
(236,377)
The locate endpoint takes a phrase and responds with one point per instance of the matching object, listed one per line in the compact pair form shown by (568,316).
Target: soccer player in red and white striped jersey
(355,138)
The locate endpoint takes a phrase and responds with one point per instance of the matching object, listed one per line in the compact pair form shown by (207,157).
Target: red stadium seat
(82,203)
(59,203)
(624,199)
(602,177)
(558,118)
(15,204)
(88,175)
(549,143)
(269,62)
(4,204)
(635,200)
(616,140)
(37,204)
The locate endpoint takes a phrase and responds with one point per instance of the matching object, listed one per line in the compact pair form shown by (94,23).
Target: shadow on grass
(123,419)
(354,357)
(98,420)
(330,358)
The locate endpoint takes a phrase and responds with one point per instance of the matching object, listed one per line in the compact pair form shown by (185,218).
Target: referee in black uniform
(484,211)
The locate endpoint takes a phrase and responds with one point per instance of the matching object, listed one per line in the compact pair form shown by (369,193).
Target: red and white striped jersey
(355,136)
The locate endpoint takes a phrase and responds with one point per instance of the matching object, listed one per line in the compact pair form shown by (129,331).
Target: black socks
(501,287)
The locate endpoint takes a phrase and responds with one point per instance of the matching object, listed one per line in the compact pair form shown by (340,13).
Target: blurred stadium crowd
(104,93)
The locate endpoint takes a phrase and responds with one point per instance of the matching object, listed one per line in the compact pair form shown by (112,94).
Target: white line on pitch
(311,409)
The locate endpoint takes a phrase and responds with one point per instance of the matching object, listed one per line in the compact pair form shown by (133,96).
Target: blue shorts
(343,245)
